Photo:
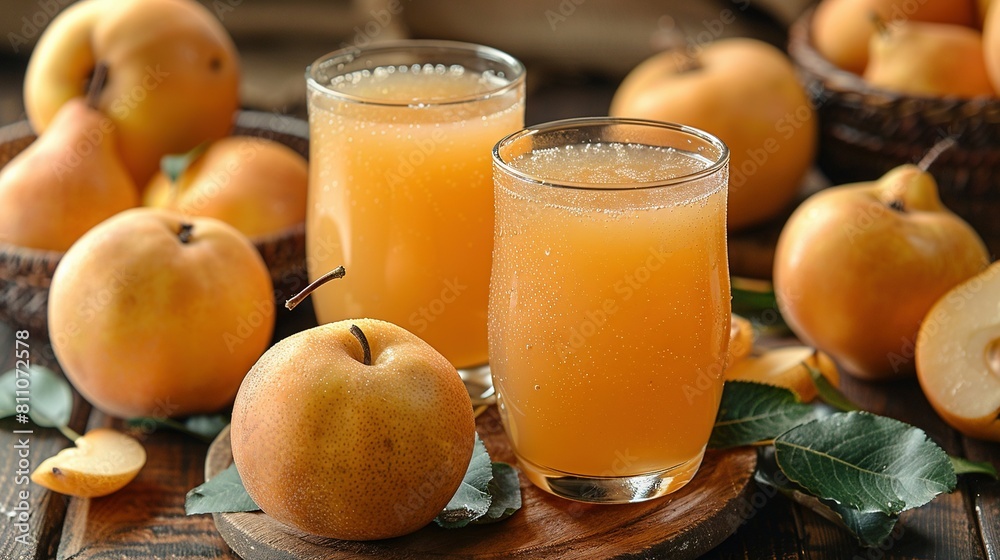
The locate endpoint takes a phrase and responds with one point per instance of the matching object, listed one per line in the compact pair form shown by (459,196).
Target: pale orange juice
(401,191)
(609,311)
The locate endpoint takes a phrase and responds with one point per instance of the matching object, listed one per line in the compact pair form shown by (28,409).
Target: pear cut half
(783,367)
(740,339)
(102,462)
(958,356)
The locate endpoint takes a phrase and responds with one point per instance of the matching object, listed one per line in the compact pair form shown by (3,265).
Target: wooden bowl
(25,274)
(866,131)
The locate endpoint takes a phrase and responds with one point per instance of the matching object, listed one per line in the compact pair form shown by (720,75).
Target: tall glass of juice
(400,186)
(609,303)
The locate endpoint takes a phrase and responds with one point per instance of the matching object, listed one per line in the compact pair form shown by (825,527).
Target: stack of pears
(933,48)
(66,182)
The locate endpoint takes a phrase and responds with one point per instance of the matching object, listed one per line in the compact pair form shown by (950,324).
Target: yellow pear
(991,42)
(842,29)
(745,92)
(858,266)
(103,461)
(152,313)
(353,430)
(67,181)
(256,185)
(173,79)
(930,59)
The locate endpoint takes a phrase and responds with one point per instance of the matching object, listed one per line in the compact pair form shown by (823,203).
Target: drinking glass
(609,303)
(400,186)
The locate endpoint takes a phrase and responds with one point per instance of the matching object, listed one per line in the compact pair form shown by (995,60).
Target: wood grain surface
(683,525)
(145,520)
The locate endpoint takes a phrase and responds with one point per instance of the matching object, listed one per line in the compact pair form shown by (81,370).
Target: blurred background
(576,51)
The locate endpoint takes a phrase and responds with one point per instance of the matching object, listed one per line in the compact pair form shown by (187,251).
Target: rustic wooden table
(146,520)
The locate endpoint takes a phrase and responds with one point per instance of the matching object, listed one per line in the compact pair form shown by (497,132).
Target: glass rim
(589,122)
(350,54)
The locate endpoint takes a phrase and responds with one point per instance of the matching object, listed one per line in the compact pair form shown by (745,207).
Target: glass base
(479,382)
(612,490)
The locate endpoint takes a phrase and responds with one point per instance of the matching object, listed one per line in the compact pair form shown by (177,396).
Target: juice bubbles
(400,187)
(609,310)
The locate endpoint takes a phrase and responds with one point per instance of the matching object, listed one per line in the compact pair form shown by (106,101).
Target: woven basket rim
(803,52)
(8,249)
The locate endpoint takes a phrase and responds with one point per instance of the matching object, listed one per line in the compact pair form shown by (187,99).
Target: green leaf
(472,499)
(505,491)
(8,401)
(223,494)
(753,412)
(965,466)
(174,165)
(865,462)
(491,492)
(207,426)
(204,428)
(755,300)
(49,396)
(870,528)
(830,394)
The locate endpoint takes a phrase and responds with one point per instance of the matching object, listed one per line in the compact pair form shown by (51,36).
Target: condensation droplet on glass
(538,387)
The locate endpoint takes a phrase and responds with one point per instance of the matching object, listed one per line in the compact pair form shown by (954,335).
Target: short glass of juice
(609,303)
(401,189)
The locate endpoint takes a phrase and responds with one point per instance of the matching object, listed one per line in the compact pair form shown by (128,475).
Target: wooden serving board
(685,524)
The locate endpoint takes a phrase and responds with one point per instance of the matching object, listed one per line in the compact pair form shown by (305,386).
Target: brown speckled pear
(338,448)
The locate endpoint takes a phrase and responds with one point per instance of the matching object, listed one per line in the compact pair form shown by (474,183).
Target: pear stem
(185,233)
(338,272)
(96,84)
(69,433)
(687,62)
(366,349)
(942,145)
(879,24)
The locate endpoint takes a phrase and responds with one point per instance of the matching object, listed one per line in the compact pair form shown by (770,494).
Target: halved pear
(102,462)
(784,367)
(740,339)
(958,356)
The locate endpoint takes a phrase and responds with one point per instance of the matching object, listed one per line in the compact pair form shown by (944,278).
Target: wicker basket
(865,131)
(25,274)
